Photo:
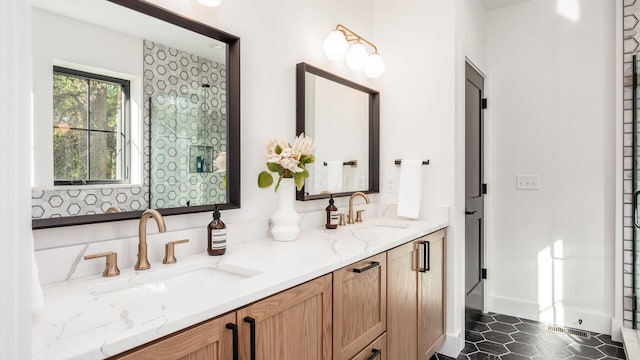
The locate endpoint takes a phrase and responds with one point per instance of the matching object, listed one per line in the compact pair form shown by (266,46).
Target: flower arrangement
(221,166)
(288,161)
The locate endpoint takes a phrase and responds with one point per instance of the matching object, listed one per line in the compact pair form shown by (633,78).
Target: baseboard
(616,330)
(453,344)
(563,316)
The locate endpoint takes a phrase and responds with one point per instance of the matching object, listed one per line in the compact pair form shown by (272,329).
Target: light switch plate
(390,184)
(528,182)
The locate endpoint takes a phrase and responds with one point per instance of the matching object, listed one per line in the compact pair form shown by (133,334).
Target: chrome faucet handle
(111,267)
(359,215)
(341,221)
(169,251)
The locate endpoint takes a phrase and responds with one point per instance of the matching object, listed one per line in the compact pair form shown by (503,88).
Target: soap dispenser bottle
(217,235)
(332,215)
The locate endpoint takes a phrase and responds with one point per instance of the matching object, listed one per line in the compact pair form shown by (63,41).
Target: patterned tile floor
(501,337)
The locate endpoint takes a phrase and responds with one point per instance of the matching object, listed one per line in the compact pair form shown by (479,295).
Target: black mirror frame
(233,105)
(374,125)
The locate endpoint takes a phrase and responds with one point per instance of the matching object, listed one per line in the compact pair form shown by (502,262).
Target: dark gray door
(474,202)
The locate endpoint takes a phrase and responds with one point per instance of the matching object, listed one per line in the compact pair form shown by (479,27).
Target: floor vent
(569,331)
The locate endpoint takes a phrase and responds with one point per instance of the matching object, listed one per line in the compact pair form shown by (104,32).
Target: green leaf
(274,167)
(278,183)
(278,149)
(307,159)
(298,178)
(264,179)
(311,159)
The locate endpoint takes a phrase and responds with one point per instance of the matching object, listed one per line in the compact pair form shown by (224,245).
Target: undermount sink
(380,229)
(184,278)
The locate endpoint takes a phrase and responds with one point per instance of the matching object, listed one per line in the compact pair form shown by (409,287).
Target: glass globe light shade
(356,57)
(374,66)
(335,45)
(210,3)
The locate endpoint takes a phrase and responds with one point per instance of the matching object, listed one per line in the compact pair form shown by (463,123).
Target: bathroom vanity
(366,291)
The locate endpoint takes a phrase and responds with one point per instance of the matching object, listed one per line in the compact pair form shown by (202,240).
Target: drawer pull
(368,267)
(252,339)
(374,354)
(426,254)
(234,330)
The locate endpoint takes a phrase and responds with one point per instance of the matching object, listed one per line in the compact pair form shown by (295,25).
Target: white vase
(285,219)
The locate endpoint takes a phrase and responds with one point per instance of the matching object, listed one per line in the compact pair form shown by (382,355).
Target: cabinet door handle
(252,339)
(368,267)
(374,354)
(234,331)
(426,254)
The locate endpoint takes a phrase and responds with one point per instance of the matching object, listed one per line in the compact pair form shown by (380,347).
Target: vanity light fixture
(336,47)
(210,3)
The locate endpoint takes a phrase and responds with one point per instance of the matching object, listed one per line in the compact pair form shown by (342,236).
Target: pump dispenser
(217,235)
(332,215)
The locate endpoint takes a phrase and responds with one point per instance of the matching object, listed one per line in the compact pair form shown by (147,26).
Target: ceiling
(499,4)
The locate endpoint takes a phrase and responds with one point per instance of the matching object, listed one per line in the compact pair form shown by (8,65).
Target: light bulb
(211,3)
(356,57)
(374,66)
(335,45)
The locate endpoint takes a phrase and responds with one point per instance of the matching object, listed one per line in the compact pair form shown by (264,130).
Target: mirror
(134,107)
(344,120)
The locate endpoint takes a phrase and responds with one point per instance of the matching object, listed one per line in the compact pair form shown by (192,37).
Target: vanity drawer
(359,305)
(377,350)
(209,340)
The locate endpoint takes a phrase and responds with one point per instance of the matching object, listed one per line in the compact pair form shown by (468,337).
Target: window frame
(125,86)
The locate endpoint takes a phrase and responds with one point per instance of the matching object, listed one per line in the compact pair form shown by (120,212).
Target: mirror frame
(374,125)
(233,118)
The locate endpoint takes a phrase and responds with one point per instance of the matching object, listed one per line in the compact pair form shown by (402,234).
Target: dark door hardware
(467,212)
(368,267)
(426,255)
(252,332)
(234,331)
(635,211)
(374,354)
(483,104)
(484,189)
(484,274)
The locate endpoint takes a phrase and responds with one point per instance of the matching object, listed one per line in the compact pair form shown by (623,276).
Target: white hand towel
(410,188)
(334,176)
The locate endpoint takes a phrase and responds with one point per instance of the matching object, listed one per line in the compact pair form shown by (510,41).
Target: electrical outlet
(528,182)
(390,184)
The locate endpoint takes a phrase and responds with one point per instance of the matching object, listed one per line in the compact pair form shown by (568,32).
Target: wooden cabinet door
(431,294)
(402,302)
(377,350)
(208,341)
(292,325)
(359,305)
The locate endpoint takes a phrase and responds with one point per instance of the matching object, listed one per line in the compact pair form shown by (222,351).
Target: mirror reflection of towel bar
(398,162)
(349,163)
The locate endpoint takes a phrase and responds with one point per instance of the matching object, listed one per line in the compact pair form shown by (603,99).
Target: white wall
(421,42)
(15,197)
(552,113)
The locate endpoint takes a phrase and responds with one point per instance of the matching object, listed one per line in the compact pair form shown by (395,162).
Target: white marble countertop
(77,323)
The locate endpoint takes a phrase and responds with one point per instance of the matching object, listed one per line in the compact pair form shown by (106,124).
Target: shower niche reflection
(187,114)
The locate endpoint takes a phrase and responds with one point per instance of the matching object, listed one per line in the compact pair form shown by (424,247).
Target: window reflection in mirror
(89,128)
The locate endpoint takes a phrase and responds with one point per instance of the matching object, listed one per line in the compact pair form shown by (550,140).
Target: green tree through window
(89,128)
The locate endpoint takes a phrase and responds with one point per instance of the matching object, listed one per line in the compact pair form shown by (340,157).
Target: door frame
(486,167)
